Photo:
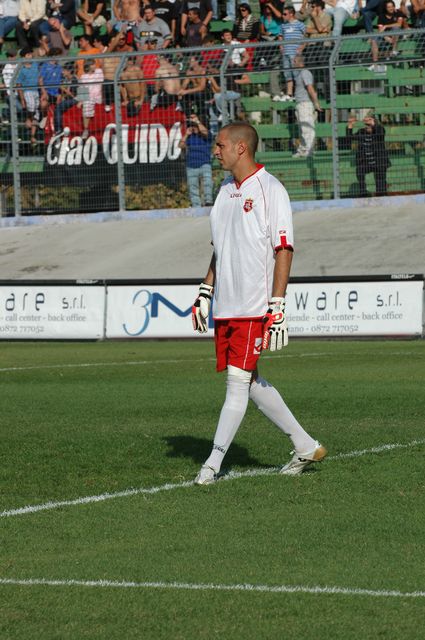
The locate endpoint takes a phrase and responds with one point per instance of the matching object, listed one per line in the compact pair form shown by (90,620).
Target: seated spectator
(193,90)
(369,13)
(246,26)
(50,80)
(58,37)
(63,10)
(195,29)
(371,154)
(89,93)
(149,65)
(391,18)
(167,11)
(418,14)
(197,143)
(132,88)
(92,14)
(67,95)
(117,44)
(340,10)
(267,57)
(167,85)
(8,18)
(205,12)
(27,85)
(318,25)
(32,22)
(229,97)
(7,73)
(239,57)
(212,57)
(87,48)
(153,27)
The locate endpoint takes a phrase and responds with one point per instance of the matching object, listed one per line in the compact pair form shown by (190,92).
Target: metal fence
(105,133)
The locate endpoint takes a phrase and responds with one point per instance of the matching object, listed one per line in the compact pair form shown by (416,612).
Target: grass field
(336,553)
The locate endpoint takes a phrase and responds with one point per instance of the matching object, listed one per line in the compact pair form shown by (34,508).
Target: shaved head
(242,131)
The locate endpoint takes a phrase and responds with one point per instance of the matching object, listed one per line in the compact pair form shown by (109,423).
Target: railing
(118,147)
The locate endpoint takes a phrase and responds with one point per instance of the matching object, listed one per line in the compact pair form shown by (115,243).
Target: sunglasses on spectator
(243,10)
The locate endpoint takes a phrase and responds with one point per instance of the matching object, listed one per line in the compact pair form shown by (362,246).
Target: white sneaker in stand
(300,461)
(206,475)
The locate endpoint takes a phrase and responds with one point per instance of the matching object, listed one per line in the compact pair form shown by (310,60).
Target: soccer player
(251,226)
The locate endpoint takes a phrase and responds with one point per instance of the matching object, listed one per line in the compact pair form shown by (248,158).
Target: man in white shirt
(252,235)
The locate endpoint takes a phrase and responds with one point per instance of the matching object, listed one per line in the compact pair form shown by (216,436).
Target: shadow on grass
(198,449)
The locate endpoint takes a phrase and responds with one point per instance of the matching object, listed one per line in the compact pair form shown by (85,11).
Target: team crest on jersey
(257,346)
(248,204)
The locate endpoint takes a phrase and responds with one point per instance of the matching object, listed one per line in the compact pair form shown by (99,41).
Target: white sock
(270,402)
(231,415)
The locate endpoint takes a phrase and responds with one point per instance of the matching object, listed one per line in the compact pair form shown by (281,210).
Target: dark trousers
(60,110)
(30,37)
(380,175)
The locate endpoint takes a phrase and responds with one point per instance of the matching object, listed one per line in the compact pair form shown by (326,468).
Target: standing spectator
(68,93)
(197,143)
(306,105)
(7,73)
(153,27)
(49,80)
(117,44)
(252,236)
(32,22)
(391,18)
(125,13)
(89,93)
(149,65)
(205,12)
(63,10)
(371,154)
(132,88)
(167,11)
(340,10)
(292,32)
(246,27)
(27,85)
(92,14)
(58,37)
(87,48)
(8,18)
(195,29)
(193,90)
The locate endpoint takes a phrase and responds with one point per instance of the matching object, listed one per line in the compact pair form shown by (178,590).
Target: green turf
(74,431)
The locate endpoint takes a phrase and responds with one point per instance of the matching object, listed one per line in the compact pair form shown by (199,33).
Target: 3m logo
(248,204)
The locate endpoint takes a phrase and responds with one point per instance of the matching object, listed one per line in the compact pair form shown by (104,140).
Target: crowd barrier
(123,153)
(387,306)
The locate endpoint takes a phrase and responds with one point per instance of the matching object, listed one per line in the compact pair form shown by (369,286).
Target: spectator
(63,10)
(149,65)
(246,26)
(132,88)
(49,80)
(340,10)
(32,22)
(58,37)
(266,57)
(87,48)
(213,57)
(369,13)
(230,96)
(167,85)
(92,14)
(197,143)
(89,93)
(67,97)
(205,12)
(27,85)
(8,18)
(239,57)
(391,18)
(126,13)
(306,104)
(7,73)
(292,32)
(117,44)
(193,90)
(371,154)
(230,15)
(195,29)
(318,25)
(153,27)
(167,11)
(418,14)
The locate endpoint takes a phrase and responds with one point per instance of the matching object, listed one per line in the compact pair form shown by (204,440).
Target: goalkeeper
(252,235)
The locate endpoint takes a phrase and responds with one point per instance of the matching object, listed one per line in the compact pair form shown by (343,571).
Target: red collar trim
(239,184)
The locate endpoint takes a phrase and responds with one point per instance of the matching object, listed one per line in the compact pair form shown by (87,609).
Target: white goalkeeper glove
(201,308)
(275,332)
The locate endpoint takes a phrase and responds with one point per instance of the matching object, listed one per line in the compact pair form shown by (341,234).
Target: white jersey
(250,222)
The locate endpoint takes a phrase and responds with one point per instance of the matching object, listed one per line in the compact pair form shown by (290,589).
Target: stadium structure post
(17,196)
(334,114)
(223,86)
(118,122)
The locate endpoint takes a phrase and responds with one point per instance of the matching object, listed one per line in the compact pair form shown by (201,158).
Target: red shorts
(238,343)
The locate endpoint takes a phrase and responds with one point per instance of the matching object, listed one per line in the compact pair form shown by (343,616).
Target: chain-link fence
(336,118)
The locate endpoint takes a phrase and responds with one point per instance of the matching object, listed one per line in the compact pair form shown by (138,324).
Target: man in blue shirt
(292,32)
(27,85)
(50,80)
(197,143)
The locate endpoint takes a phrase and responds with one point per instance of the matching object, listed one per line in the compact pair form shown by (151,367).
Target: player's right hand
(201,308)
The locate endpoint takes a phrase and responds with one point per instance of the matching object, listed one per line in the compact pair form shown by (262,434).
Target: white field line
(233,475)
(263,588)
(130,363)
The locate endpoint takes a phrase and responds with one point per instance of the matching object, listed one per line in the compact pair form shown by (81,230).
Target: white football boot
(300,461)
(207,475)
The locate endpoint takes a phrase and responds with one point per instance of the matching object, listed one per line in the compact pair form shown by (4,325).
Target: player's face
(226,151)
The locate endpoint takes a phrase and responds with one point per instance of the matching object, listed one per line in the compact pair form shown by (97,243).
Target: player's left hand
(275,333)
(201,308)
